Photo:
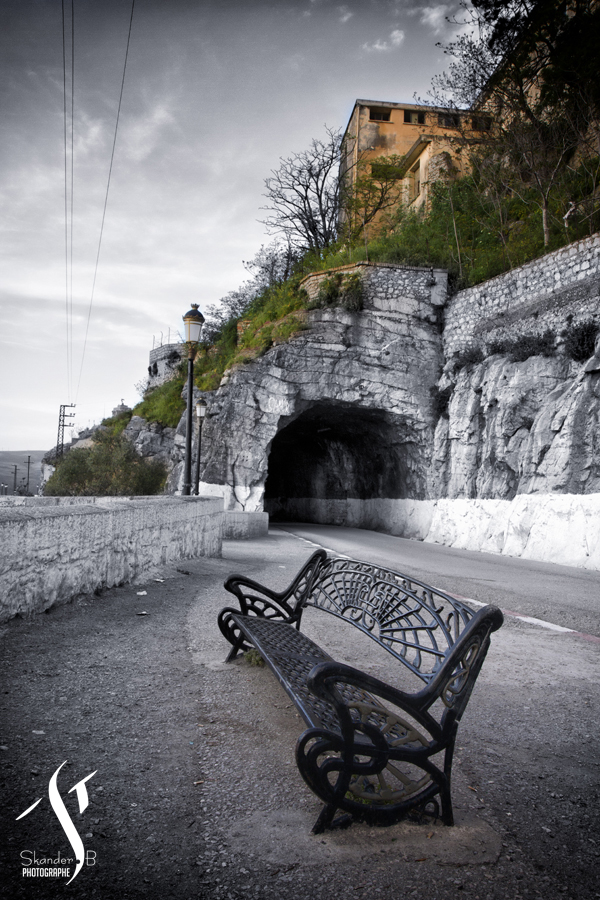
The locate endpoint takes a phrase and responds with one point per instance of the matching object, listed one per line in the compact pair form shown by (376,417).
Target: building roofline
(389,104)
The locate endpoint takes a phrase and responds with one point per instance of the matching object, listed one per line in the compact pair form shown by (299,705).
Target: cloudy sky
(216,91)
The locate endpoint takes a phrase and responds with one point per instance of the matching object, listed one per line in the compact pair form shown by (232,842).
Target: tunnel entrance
(341,452)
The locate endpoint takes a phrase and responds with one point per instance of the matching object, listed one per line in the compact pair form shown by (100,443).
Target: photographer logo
(47,867)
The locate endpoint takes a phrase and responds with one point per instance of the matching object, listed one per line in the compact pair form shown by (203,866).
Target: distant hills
(11,458)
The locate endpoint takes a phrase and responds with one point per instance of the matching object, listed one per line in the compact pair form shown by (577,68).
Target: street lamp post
(193,321)
(200,413)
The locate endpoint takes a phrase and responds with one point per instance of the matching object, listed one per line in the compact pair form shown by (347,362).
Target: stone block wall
(55,549)
(389,286)
(548,293)
(163,363)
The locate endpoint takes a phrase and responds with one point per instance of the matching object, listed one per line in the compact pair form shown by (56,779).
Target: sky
(215,93)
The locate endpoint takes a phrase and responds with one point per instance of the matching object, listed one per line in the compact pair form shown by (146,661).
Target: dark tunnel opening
(339,452)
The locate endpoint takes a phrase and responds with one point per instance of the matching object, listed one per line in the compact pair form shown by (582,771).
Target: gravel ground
(196,793)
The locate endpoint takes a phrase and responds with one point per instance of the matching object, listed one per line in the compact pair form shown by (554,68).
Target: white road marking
(532,621)
(550,626)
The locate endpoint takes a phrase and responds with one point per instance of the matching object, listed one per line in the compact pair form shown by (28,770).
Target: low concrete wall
(557,528)
(405,518)
(56,548)
(243,526)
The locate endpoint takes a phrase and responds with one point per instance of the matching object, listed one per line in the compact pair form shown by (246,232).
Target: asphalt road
(563,595)
(193,789)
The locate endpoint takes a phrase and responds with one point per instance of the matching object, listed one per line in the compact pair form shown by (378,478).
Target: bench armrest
(455,680)
(248,592)
(324,676)
(289,602)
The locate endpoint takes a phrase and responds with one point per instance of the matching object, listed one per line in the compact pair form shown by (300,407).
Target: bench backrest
(411,620)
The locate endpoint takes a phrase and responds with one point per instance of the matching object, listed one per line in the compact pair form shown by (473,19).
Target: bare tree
(303,195)
(272,264)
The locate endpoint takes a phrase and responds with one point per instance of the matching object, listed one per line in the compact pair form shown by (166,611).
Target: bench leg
(445,794)
(326,820)
(235,650)
(447,812)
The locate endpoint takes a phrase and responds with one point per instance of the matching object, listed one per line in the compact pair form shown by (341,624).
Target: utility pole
(62,416)
(28,467)
(15,482)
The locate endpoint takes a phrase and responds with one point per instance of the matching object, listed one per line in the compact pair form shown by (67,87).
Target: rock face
(519,428)
(154,441)
(348,423)
(342,410)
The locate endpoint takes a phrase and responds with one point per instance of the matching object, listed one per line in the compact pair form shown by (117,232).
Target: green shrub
(532,345)
(110,468)
(469,357)
(329,292)
(580,340)
(286,327)
(163,404)
(254,658)
(352,293)
(521,348)
(501,347)
(340,290)
(117,424)
(473,235)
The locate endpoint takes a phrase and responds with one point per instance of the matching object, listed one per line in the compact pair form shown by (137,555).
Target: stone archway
(338,452)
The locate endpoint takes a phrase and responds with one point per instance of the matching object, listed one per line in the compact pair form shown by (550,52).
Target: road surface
(193,789)
(562,595)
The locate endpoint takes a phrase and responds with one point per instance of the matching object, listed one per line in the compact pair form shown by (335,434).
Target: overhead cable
(112,156)
(68,191)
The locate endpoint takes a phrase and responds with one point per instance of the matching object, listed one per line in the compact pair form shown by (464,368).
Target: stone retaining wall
(532,526)
(56,548)
(552,292)
(388,284)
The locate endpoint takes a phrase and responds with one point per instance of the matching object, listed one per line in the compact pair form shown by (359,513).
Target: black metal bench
(371,750)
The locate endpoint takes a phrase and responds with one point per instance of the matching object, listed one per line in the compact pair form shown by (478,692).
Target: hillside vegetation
(458,233)
(109,468)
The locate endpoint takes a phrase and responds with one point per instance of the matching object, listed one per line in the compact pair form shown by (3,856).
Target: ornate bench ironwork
(370,750)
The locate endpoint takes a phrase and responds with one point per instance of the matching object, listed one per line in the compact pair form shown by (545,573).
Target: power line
(72,173)
(69,183)
(64,49)
(112,156)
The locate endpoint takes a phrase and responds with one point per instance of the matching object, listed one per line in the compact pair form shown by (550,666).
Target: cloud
(89,135)
(143,134)
(434,17)
(345,14)
(296,62)
(379,46)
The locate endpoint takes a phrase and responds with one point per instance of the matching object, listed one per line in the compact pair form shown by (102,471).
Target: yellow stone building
(424,139)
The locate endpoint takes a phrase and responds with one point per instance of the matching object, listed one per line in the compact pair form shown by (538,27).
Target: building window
(448,120)
(414,118)
(379,115)
(414,182)
(481,123)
